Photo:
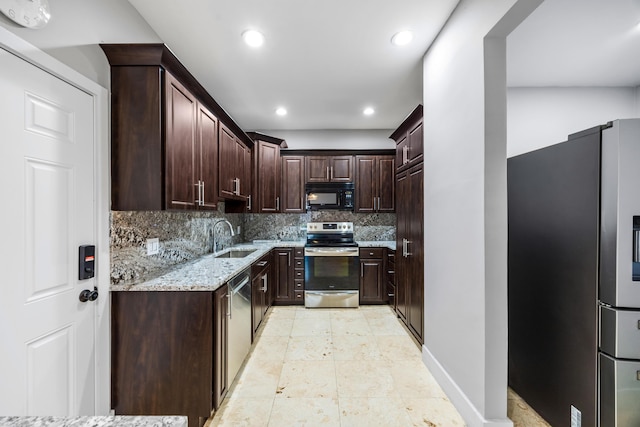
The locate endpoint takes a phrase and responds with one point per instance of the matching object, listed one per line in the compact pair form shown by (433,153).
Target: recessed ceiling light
(402,38)
(368,111)
(253,38)
(281,111)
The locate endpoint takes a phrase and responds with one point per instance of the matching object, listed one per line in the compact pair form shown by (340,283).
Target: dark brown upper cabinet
(408,137)
(374,184)
(293,197)
(235,167)
(267,180)
(164,132)
(329,169)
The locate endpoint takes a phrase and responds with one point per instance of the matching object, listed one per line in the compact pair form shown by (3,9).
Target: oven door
(331,269)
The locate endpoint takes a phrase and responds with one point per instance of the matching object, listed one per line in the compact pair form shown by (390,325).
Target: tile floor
(327,367)
(332,367)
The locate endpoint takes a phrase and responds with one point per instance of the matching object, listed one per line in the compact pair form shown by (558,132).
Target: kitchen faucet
(213,231)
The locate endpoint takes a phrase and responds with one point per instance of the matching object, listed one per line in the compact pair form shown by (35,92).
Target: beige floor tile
(270,348)
(277,328)
(364,378)
(309,348)
(385,326)
(282,312)
(258,378)
(314,313)
(433,412)
(243,412)
(302,378)
(350,327)
(412,379)
(354,347)
(304,412)
(311,327)
(521,413)
(373,412)
(398,347)
(348,315)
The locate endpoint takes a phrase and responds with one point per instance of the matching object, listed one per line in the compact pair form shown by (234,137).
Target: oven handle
(351,252)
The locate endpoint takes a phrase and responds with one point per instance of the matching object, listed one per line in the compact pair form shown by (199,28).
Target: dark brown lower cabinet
(168,349)
(260,292)
(372,276)
(289,275)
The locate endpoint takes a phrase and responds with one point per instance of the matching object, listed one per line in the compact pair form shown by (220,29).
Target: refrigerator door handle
(636,245)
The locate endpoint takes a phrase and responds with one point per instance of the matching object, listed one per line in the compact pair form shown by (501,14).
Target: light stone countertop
(97,421)
(208,273)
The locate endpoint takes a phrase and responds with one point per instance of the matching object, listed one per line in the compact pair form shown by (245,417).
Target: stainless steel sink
(236,253)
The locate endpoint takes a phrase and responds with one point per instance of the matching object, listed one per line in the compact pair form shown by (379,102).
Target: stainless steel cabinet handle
(277,203)
(636,245)
(331,173)
(404,247)
(198,201)
(327,173)
(249,202)
(261,263)
(229,303)
(405,154)
(362,269)
(264,283)
(407,245)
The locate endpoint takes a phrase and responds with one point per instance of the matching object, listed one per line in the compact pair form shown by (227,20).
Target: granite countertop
(208,273)
(389,244)
(97,421)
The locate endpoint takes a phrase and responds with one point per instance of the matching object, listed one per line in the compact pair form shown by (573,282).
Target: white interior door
(47,174)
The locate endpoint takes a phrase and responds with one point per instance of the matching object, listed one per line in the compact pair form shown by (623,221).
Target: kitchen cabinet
(372,276)
(260,291)
(289,276)
(267,179)
(410,244)
(391,278)
(221,380)
(408,137)
(163,353)
(235,167)
(164,132)
(375,184)
(293,195)
(329,169)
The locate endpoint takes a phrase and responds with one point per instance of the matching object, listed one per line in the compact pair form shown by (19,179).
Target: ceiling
(577,43)
(325,61)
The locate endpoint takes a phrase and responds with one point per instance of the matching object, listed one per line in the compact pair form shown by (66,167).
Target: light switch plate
(153,246)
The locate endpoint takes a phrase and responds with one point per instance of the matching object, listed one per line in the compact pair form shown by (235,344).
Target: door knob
(88,295)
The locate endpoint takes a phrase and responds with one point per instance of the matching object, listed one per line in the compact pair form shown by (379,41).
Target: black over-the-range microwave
(329,195)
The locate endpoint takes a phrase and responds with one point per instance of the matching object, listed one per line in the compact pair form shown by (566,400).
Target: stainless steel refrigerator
(574,277)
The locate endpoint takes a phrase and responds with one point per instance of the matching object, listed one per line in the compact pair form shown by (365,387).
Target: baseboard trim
(468,411)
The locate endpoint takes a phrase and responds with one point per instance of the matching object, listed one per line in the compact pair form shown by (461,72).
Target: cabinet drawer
(298,263)
(260,265)
(298,275)
(298,296)
(298,285)
(299,252)
(377,253)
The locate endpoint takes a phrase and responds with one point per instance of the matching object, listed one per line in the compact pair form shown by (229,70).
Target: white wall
(542,116)
(335,139)
(465,208)
(78,26)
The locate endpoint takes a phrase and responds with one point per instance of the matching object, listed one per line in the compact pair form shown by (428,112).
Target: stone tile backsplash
(188,235)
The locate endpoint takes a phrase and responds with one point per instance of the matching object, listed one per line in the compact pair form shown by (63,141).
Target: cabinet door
(415,152)
(268,177)
(220,337)
(402,219)
(256,304)
(180,148)
(284,274)
(415,232)
(341,169)
(293,185)
(227,160)
(371,281)
(365,184)
(316,169)
(385,177)
(207,161)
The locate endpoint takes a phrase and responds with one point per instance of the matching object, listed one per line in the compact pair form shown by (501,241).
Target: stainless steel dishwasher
(239,327)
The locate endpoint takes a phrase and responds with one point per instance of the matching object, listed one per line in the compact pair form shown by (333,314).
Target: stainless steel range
(331,266)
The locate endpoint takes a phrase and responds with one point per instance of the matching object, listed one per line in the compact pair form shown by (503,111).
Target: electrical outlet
(153,246)
(238,232)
